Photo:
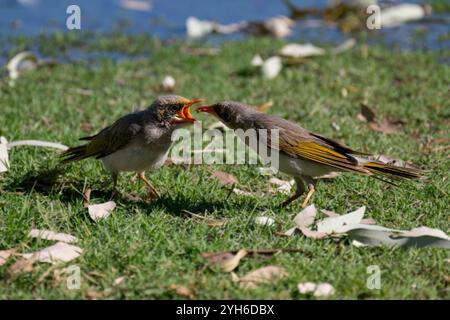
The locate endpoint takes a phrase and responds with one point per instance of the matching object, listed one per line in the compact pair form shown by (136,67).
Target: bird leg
(311,189)
(153,192)
(300,190)
(115,192)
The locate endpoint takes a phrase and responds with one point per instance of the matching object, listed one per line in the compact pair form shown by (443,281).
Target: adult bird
(303,154)
(138,141)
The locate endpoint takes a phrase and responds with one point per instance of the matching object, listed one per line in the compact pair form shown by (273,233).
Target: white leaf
(4,255)
(283,186)
(306,217)
(264,221)
(136,5)
(330,225)
(243,192)
(51,235)
(60,251)
(346,45)
(279,26)
(4,159)
(37,143)
(295,50)
(271,67)
(22,62)
(257,61)
(168,83)
(101,211)
(196,28)
(399,14)
(318,290)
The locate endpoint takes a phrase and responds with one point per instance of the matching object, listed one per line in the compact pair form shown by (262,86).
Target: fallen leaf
(399,14)
(60,251)
(264,221)
(335,224)
(87,197)
(262,275)
(243,192)
(279,27)
(346,45)
(385,125)
(4,160)
(295,50)
(136,5)
(22,62)
(37,143)
(196,28)
(303,220)
(225,178)
(168,83)
(51,235)
(182,291)
(271,67)
(22,265)
(283,186)
(118,281)
(318,290)
(101,211)
(4,255)
(231,263)
(256,61)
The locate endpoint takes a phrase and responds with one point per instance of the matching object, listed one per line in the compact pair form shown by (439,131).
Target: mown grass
(154,245)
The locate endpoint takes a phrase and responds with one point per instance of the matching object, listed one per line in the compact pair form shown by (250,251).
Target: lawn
(152,243)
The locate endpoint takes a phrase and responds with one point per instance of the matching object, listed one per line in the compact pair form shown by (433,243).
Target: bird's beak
(208,109)
(184,115)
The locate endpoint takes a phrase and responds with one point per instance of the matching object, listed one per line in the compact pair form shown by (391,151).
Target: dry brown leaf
(385,125)
(226,261)
(243,192)
(87,197)
(182,291)
(101,211)
(225,178)
(5,254)
(22,265)
(262,275)
(51,235)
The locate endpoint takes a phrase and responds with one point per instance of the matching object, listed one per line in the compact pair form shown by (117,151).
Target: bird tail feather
(394,172)
(75,154)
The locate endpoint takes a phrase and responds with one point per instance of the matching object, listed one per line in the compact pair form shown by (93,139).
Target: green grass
(154,245)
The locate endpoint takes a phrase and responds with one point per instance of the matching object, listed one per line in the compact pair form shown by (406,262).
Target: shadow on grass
(54,182)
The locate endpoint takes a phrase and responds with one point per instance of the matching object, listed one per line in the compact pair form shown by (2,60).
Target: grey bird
(138,141)
(303,154)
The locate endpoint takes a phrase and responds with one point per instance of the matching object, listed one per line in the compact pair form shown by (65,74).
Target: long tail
(393,172)
(74,154)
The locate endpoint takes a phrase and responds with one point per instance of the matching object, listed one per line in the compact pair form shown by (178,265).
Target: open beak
(208,109)
(184,115)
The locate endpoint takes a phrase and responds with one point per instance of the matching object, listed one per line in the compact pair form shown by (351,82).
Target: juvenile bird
(303,154)
(138,141)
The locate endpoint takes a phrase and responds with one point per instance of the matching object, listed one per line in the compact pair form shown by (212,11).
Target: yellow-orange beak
(184,115)
(208,109)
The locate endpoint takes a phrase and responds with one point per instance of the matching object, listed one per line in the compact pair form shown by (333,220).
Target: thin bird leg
(116,192)
(152,189)
(311,189)
(300,190)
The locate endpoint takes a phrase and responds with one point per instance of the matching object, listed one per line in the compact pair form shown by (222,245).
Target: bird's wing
(297,142)
(114,137)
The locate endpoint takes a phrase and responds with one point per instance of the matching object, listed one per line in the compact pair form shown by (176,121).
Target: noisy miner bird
(138,141)
(303,154)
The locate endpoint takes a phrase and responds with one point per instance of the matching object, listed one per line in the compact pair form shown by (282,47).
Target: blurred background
(166,19)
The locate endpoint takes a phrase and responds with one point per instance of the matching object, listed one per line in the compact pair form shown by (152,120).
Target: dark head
(173,109)
(233,114)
